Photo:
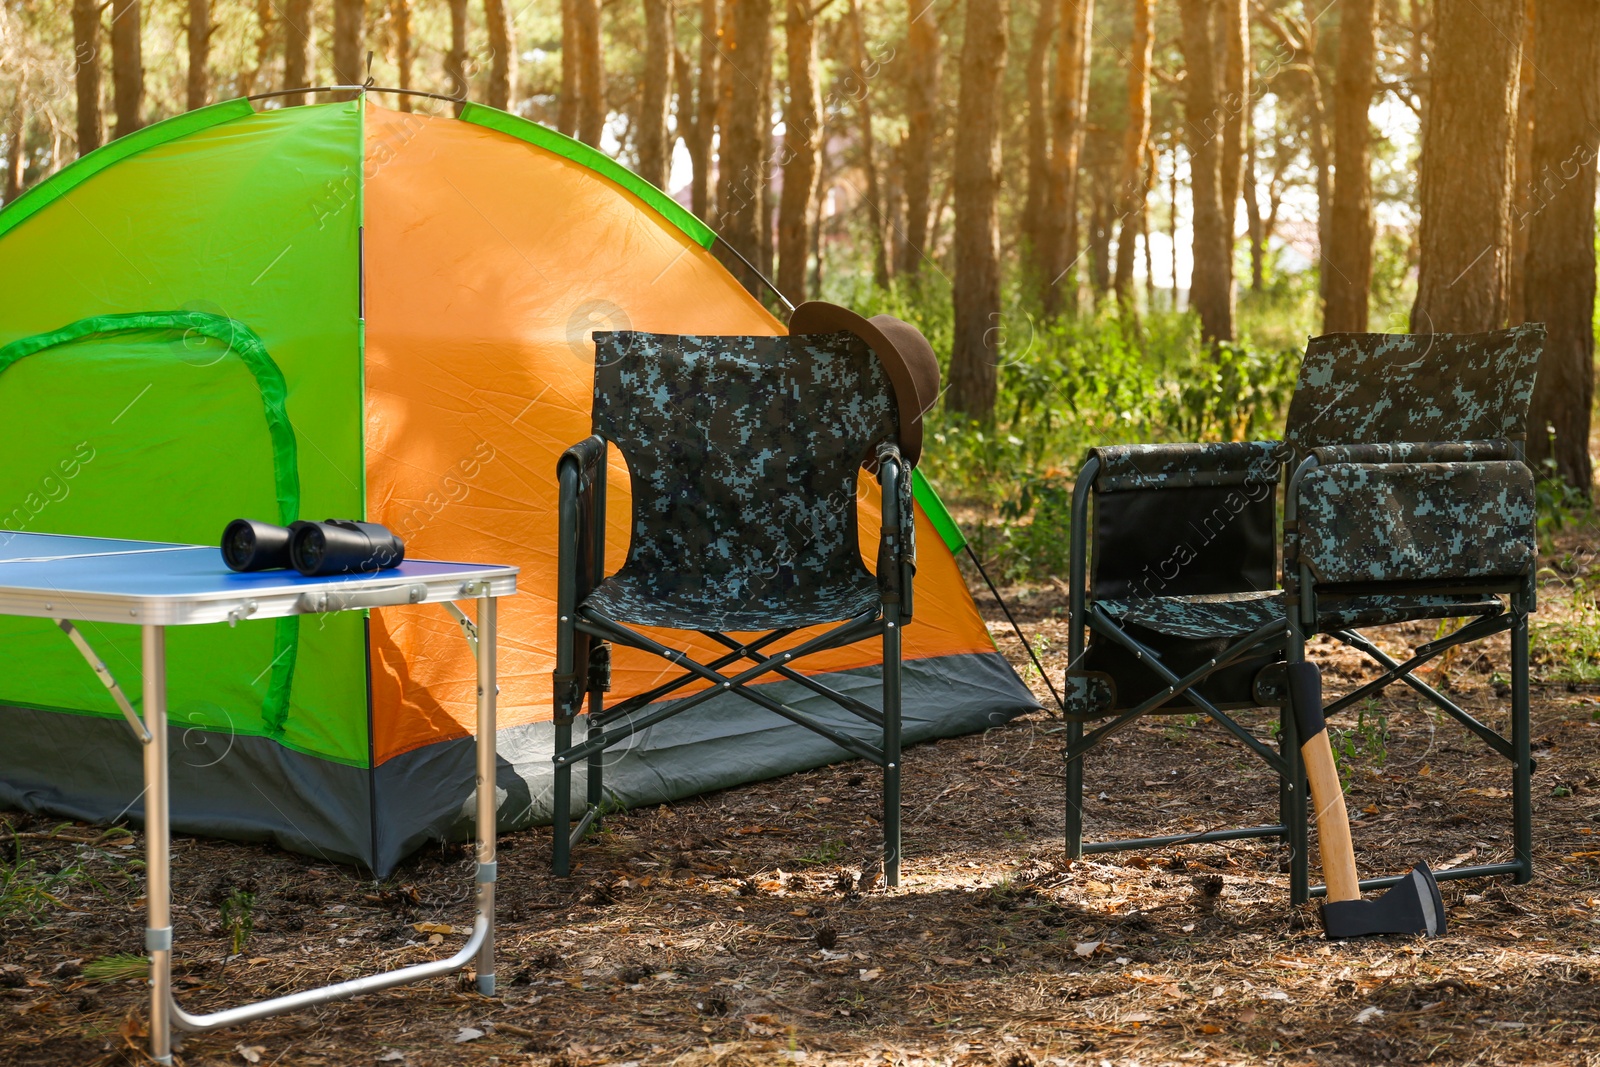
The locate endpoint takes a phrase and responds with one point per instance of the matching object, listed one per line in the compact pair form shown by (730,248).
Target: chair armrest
(1398,522)
(1182,466)
(897,540)
(1418,452)
(580,566)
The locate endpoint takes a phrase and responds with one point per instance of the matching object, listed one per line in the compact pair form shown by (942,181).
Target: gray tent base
(252,789)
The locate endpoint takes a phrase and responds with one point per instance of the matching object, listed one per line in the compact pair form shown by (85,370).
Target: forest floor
(748,927)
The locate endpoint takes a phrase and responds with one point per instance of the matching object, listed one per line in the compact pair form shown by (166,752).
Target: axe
(1411,906)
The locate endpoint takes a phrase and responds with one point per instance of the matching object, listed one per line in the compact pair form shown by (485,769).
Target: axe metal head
(1412,906)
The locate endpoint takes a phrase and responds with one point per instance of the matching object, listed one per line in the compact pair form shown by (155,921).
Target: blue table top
(111,570)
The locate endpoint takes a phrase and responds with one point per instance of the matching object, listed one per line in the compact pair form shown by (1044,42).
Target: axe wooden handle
(1327,795)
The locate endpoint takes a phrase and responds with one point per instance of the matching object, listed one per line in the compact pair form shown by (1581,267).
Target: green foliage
(30,888)
(118,967)
(1367,742)
(238,918)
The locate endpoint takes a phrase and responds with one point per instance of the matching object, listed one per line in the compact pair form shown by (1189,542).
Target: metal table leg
(157,841)
(479,949)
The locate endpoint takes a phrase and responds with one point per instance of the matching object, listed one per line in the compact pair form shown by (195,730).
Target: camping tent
(343,310)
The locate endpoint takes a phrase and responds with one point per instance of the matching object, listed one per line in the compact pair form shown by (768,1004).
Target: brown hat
(906,355)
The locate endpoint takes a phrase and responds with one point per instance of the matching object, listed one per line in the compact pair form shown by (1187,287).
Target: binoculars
(337,546)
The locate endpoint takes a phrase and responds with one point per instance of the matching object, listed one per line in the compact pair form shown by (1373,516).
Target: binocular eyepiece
(337,546)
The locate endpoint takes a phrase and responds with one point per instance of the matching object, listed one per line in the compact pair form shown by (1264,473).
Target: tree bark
(1522,171)
(591,74)
(404,57)
(1060,230)
(1211,284)
(86,57)
(349,34)
(1038,259)
(455,61)
(502,87)
(1234,24)
(1561,255)
(1135,142)
(923,55)
(861,89)
(1464,190)
(299,38)
(802,121)
(17,144)
(654,148)
(197,86)
(975,353)
(266,11)
(1252,215)
(1347,259)
(127,65)
(567,111)
(707,98)
(744,134)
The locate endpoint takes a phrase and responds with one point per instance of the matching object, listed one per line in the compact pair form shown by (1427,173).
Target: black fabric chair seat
(1213,615)
(766,608)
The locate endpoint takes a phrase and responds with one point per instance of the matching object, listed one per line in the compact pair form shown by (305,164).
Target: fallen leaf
(250,1053)
(1086,948)
(1210,1028)
(870,974)
(433,928)
(1247,1016)
(1369,1013)
(468,1033)
(951,961)
(394,1055)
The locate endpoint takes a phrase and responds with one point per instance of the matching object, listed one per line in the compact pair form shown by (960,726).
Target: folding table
(154,585)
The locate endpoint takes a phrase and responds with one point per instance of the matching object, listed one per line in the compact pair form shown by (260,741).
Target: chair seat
(1213,615)
(630,598)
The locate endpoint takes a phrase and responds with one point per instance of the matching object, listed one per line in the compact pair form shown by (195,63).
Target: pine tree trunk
(1560,282)
(1233,24)
(455,61)
(1252,214)
(1210,286)
(744,135)
(824,178)
(802,122)
(299,39)
(1172,217)
(1522,172)
(861,89)
(591,74)
(266,39)
(86,56)
(502,88)
(1347,259)
(728,76)
(16,144)
(404,57)
(707,97)
(197,86)
(1059,232)
(1038,260)
(975,354)
(127,65)
(349,34)
(567,111)
(1464,190)
(1135,142)
(654,148)
(923,56)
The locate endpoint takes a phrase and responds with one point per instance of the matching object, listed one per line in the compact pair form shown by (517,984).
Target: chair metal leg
(1522,775)
(891,753)
(561,803)
(1074,777)
(596,763)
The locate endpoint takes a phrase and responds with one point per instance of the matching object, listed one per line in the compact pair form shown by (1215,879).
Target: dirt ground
(749,927)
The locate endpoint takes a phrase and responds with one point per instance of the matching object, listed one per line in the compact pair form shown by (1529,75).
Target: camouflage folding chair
(743,455)
(1408,499)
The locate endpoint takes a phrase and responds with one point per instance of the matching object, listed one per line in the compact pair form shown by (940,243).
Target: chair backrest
(743,454)
(1376,388)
